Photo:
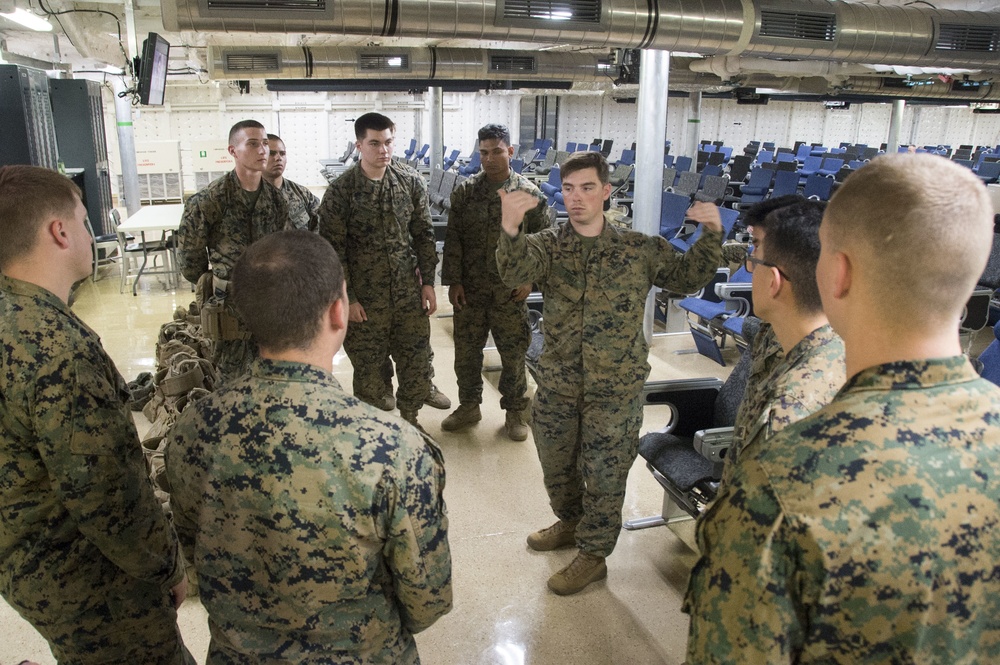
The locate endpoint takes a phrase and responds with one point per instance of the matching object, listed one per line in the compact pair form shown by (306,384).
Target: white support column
(126,146)
(895,126)
(693,126)
(654,75)
(437,126)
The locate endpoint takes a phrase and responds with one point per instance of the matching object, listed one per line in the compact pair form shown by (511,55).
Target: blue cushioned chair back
(990,358)
(785,183)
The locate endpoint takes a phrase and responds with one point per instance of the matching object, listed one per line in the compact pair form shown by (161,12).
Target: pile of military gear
(185,373)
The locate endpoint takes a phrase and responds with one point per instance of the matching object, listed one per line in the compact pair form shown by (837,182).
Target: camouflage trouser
(388,373)
(508,321)
(222,652)
(586,450)
(141,628)
(402,332)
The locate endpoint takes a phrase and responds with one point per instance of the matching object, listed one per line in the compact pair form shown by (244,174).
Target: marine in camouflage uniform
(303,205)
(382,231)
(89,559)
(317,522)
(801,381)
(470,261)
(785,387)
(588,408)
(218,223)
(866,533)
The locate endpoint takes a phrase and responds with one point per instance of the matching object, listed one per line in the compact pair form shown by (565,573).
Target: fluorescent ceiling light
(28,20)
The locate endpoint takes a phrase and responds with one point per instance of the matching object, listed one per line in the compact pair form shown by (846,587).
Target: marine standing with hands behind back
(588,409)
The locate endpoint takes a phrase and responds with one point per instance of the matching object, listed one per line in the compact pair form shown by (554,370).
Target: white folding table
(163,218)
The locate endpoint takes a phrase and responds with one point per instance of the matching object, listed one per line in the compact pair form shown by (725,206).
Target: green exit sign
(203,153)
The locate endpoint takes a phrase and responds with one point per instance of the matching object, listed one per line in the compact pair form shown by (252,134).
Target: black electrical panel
(26,117)
(79,121)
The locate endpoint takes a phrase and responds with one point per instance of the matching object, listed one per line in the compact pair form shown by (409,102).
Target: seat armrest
(691,401)
(713,444)
(733,290)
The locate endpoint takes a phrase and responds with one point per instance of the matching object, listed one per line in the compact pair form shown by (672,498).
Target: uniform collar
(913,374)
(483,181)
(30,290)
(284,370)
(814,340)
(608,234)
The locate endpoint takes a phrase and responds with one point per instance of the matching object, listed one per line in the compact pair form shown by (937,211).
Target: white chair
(108,244)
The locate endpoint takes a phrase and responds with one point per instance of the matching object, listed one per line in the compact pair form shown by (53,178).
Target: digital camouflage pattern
(88,556)
(594,345)
(586,450)
(317,522)
(217,225)
(587,410)
(383,235)
(800,383)
(865,533)
(303,205)
(734,253)
(470,260)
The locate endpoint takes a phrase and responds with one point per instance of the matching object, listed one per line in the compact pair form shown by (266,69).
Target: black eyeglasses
(751,261)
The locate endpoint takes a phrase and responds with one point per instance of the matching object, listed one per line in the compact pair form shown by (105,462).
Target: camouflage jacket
(318,524)
(78,520)
(382,232)
(303,205)
(593,314)
(474,228)
(868,532)
(217,219)
(800,383)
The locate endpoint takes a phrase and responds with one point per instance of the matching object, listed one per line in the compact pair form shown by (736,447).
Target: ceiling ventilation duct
(338,62)
(798,29)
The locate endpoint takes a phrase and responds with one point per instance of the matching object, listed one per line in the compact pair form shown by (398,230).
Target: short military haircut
(283,284)
(579,161)
(30,196)
(274,137)
(921,227)
(240,126)
(759,211)
(791,242)
(374,121)
(494,131)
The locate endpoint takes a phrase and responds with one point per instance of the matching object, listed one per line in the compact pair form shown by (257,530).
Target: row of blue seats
(765,183)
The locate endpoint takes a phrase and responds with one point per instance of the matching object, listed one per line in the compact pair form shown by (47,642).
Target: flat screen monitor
(153,70)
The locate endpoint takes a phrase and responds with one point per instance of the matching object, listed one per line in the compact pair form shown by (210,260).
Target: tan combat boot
(561,534)
(584,569)
(514,426)
(462,417)
(410,417)
(437,399)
